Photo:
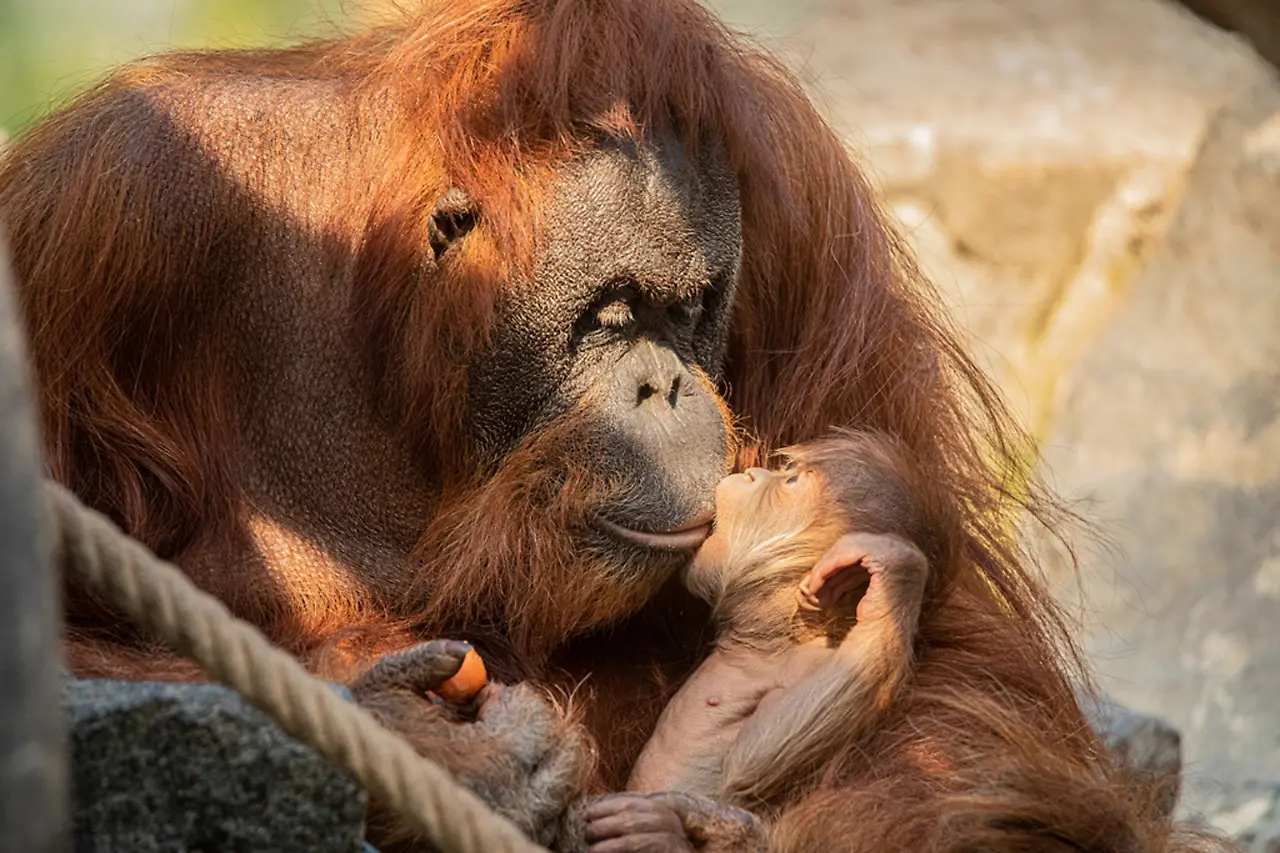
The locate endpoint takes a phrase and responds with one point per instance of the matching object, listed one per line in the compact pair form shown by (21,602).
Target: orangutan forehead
(660,212)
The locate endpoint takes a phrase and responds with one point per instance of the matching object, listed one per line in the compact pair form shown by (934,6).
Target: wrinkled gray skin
(631,291)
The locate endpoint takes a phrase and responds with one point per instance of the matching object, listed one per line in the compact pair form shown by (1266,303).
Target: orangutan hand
(418,669)
(511,745)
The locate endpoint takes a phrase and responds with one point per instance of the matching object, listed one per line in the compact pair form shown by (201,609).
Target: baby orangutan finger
(804,595)
(824,594)
(715,827)
(611,817)
(418,669)
(651,842)
(611,804)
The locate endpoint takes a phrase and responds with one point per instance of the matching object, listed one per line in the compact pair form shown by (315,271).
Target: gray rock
(1171,426)
(1256,20)
(1250,815)
(1032,151)
(1147,745)
(187,767)
(33,755)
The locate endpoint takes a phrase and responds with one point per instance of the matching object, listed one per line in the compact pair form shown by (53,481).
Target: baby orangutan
(816,575)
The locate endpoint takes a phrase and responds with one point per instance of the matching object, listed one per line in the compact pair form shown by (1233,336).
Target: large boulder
(1170,426)
(170,768)
(1032,150)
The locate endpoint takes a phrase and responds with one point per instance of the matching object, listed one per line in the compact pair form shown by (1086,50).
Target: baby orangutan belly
(687,749)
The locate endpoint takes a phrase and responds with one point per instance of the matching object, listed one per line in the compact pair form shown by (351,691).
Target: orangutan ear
(453,217)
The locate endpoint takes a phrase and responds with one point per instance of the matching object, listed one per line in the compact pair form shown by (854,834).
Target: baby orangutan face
(769,525)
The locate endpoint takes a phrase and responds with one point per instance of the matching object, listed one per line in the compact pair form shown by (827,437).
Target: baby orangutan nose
(741,484)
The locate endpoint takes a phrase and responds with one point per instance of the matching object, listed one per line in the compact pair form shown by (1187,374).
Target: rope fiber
(158,596)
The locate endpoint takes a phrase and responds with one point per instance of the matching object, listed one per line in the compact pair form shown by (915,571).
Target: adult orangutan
(448,329)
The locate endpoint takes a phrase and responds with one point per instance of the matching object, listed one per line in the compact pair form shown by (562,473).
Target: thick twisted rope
(157,596)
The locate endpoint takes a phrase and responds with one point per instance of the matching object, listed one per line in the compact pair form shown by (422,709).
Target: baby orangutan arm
(894,571)
(787,737)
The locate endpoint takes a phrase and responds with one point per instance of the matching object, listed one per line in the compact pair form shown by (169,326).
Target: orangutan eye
(689,311)
(616,315)
(611,311)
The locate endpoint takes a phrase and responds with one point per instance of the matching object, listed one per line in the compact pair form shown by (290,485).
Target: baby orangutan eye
(793,473)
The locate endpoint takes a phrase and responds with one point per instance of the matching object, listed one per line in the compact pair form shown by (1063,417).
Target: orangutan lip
(684,539)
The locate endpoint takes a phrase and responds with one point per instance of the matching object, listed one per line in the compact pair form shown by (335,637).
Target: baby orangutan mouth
(687,538)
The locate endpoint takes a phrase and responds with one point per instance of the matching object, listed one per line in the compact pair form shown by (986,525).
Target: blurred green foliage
(51,49)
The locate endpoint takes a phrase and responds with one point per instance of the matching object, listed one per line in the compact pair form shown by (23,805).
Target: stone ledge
(172,768)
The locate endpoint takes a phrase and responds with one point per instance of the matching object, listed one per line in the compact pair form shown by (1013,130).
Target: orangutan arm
(513,746)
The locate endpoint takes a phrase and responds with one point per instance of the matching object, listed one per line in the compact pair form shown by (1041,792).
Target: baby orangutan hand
(892,570)
(662,823)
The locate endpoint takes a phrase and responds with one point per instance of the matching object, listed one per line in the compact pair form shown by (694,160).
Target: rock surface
(1252,816)
(171,768)
(1033,151)
(1256,20)
(1149,746)
(1171,425)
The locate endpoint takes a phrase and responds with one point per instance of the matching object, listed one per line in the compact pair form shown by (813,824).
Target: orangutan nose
(658,376)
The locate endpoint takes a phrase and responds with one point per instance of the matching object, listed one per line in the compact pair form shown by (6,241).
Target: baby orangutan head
(773,527)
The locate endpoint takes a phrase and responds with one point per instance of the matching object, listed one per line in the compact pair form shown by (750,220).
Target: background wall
(49,48)
(1094,186)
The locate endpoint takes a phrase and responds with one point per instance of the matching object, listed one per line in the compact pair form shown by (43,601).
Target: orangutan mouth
(686,538)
